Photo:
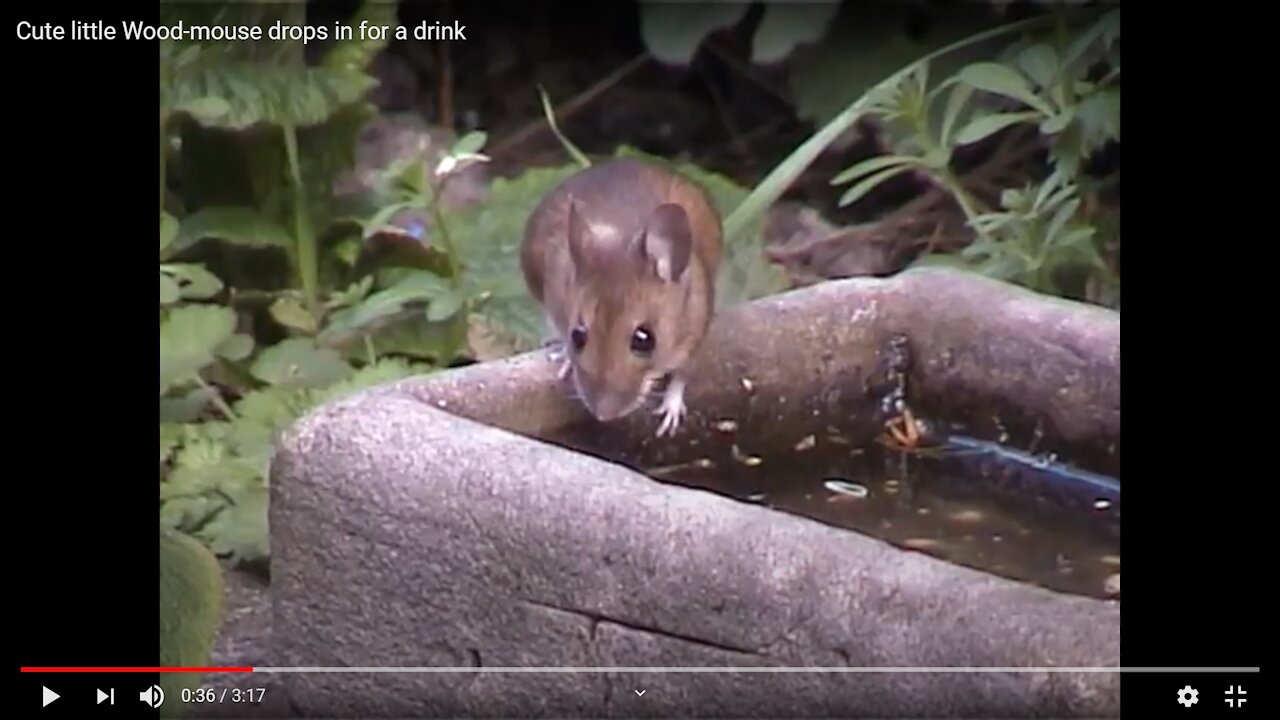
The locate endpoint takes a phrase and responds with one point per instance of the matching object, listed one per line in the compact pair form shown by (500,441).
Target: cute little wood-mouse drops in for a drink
(622,256)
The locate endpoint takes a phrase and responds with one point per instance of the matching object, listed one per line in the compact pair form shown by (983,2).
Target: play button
(49,696)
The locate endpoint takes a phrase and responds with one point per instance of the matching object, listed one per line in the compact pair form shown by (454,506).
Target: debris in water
(703,463)
(806,444)
(846,488)
(1101,504)
(1112,585)
(1112,560)
(968,516)
(920,543)
(747,384)
(748,460)
(757,497)
(726,425)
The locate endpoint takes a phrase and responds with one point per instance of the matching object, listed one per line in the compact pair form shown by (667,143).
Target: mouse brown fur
(623,257)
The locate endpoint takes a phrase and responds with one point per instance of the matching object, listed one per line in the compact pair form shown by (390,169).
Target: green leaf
(288,311)
(956,101)
(869,42)
(241,529)
(202,466)
(674,31)
(870,165)
(382,218)
(1055,124)
(169,291)
(982,127)
(208,110)
(1060,219)
(168,230)
(188,407)
(250,93)
(469,144)
(1001,266)
(351,295)
(1079,242)
(189,338)
(236,348)
(991,222)
(1099,115)
(1040,63)
(1102,33)
(868,184)
(445,306)
(194,281)
(270,409)
(383,371)
(786,25)
(298,362)
(236,225)
(937,158)
(348,251)
(170,438)
(416,286)
(996,78)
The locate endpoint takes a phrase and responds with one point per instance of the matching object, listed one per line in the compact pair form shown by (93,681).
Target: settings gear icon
(1188,696)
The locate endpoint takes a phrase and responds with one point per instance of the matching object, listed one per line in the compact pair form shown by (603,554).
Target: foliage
(279,292)
(1046,81)
(1046,230)
(869,41)
(253,138)
(191,588)
(673,32)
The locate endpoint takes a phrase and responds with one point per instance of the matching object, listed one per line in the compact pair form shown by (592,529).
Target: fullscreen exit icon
(1237,697)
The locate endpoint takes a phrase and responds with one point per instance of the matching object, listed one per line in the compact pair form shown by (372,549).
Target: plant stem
(772,187)
(304,240)
(432,197)
(966,202)
(223,407)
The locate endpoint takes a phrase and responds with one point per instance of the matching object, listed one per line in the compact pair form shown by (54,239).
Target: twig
(568,108)
(735,138)
(216,397)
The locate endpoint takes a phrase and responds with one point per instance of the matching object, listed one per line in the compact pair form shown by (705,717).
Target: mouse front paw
(556,353)
(673,408)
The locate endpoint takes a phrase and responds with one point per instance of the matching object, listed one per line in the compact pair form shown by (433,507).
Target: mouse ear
(667,241)
(579,238)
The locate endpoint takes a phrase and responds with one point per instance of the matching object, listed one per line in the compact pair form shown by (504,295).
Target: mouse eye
(578,336)
(642,340)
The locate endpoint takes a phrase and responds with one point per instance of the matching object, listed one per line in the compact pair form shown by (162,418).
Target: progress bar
(645,669)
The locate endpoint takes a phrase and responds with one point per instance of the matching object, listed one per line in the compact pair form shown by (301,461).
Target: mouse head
(632,317)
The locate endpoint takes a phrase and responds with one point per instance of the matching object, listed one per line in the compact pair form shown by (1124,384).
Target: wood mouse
(623,257)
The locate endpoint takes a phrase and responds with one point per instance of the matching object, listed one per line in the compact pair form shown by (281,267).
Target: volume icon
(152,696)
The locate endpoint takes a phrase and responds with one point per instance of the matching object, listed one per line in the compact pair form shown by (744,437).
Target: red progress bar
(134,669)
